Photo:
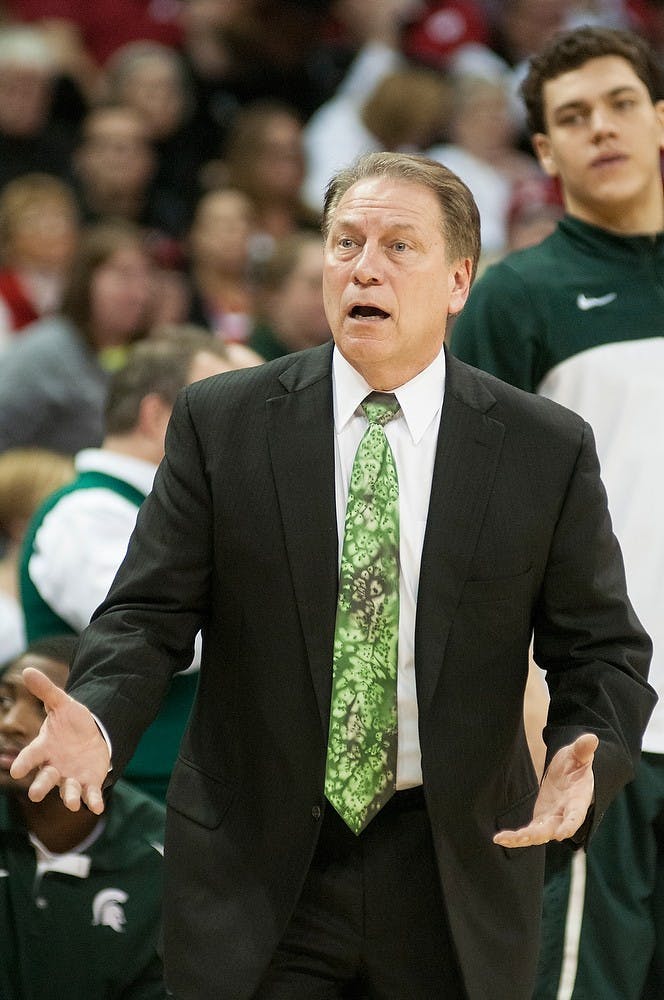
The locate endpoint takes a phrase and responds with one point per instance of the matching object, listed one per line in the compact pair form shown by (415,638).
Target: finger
(538,832)
(94,800)
(46,779)
(584,747)
(70,793)
(27,760)
(42,687)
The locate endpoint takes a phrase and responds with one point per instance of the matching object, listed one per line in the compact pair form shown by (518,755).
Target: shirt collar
(135,471)
(420,399)
(74,862)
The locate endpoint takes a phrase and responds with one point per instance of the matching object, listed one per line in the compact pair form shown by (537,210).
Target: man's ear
(459,280)
(153,414)
(542,146)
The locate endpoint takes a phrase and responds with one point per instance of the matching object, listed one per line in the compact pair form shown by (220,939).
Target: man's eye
(576,118)
(400,246)
(346,242)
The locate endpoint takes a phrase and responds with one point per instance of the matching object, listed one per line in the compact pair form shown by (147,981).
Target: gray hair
(460,215)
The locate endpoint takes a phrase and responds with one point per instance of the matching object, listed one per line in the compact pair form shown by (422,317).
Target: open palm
(69,752)
(565,795)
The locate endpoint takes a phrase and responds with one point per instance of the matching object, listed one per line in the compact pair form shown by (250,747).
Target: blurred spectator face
(121,295)
(154,85)
(115,153)
(200,16)
(172,297)
(297,307)
(279,163)
(361,19)
(528,24)
(483,122)
(205,23)
(44,237)
(21,714)
(223,225)
(25,99)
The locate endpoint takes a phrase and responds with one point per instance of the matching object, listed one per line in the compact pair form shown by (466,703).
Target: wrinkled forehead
(392,201)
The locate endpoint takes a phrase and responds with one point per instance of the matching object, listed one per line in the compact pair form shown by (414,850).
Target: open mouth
(368,312)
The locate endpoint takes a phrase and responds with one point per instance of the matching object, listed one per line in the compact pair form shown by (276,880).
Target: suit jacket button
(316,812)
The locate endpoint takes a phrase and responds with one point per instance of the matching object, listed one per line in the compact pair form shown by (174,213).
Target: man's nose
(368,266)
(602,122)
(12,719)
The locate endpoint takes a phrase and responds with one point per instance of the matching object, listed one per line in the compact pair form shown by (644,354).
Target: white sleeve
(78,549)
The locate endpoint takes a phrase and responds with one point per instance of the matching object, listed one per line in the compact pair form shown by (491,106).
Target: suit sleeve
(588,639)
(499,329)
(144,631)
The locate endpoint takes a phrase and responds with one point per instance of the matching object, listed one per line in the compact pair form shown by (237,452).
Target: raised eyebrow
(343,222)
(398,229)
(348,223)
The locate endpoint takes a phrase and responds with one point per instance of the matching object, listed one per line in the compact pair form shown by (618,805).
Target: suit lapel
(301,440)
(469,443)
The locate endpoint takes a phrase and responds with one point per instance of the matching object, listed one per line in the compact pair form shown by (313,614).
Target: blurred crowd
(214,125)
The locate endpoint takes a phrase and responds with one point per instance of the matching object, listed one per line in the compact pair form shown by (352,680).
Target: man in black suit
(504,531)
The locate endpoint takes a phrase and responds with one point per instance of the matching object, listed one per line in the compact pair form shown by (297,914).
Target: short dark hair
(569,50)
(52,647)
(55,647)
(160,366)
(460,215)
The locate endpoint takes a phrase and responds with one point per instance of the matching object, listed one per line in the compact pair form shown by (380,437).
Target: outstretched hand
(565,796)
(69,752)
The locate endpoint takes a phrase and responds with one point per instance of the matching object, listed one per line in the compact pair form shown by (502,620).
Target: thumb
(584,747)
(42,687)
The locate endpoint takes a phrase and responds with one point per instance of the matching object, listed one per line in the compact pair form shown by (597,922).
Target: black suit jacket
(239,537)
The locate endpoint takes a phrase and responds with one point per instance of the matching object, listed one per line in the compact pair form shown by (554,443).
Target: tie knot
(380,407)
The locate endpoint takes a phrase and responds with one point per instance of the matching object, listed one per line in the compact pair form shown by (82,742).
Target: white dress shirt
(413,435)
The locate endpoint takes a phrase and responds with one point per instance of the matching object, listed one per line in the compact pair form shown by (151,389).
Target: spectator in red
(38,236)
(443,28)
(105,25)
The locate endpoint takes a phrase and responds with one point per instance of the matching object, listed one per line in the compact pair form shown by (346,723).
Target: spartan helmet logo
(107,909)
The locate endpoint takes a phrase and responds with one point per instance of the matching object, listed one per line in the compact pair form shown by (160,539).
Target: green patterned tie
(362,743)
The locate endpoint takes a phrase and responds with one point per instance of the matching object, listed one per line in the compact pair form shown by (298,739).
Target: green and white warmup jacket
(580,319)
(83,924)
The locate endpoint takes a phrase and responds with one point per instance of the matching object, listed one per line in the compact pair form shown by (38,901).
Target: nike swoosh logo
(586,302)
